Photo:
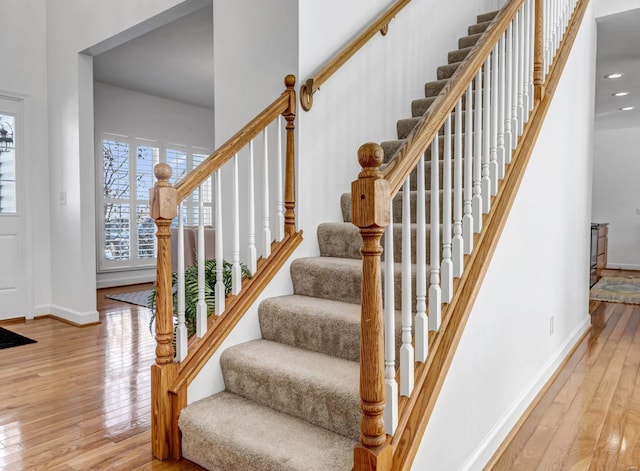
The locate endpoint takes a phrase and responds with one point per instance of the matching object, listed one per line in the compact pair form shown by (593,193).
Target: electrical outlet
(551,325)
(63,198)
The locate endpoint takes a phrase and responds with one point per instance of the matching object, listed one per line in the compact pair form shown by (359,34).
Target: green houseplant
(191,291)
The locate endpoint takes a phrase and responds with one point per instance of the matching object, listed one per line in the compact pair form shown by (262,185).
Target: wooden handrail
(407,156)
(380,24)
(284,104)
(169,381)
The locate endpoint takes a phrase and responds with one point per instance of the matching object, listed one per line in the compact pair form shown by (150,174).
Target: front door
(13,295)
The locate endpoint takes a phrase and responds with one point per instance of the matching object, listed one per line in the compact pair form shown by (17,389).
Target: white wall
(363,101)
(540,269)
(24,75)
(610,7)
(616,193)
(73,26)
(144,116)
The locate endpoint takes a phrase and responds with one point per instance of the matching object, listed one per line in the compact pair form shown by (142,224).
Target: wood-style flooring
(588,418)
(79,398)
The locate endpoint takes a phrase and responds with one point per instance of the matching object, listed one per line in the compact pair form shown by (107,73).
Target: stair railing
(219,305)
(379,24)
(470,137)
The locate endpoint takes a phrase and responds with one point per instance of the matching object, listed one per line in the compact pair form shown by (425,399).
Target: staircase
(292,398)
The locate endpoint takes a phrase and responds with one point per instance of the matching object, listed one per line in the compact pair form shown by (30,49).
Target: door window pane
(7,164)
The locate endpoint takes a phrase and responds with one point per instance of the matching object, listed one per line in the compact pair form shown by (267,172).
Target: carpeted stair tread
(458,55)
(320,325)
(420,106)
(338,278)
(434,87)
(447,71)
(227,432)
(347,209)
(487,16)
(351,241)
(479,27)
(321,389)
(404,126)
(469,41)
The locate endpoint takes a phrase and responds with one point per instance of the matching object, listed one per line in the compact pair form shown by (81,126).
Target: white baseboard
(623,266)
(109,280)
(499,432)
(70,315)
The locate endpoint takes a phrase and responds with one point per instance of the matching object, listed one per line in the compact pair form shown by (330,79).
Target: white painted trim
(499,432)
(623,266)
(127,280)
(71,315)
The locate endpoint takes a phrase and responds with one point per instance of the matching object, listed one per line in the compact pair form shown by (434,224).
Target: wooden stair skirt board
(292,398)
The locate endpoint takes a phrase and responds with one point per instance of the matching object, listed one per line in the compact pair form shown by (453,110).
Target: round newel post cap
(370,158)
(290,81)
(162,172)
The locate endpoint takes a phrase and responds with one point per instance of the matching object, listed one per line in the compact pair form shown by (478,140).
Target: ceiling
(174,61)
(618,51)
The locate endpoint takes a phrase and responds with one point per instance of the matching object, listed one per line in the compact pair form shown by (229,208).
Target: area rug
(10,339)
(138,298)
(617,290)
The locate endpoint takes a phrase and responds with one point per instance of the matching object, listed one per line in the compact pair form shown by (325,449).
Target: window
(7,164)
(127,230)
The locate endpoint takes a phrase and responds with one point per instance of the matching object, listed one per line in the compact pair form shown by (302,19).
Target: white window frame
(134,262)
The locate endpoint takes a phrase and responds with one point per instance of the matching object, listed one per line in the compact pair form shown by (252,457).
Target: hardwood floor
(589,416)
(78,399)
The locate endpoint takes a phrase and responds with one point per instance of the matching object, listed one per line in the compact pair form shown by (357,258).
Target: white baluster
(457,255)
(476,201)
(279,191)
(391,385)
(532,32)
(435,293)
(493,152)
(501,105)
(526,56)
(181,331)
(515,126)
(467,218)
(521,77)
(508,146)
(446,269)
(266,228)
(252,263)
(547,36)
(236,270)
(421,329)
(201,309)
(406,351)
(486,138)
(220,289)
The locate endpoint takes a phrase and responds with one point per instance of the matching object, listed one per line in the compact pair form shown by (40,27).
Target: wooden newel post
(162,201)
(538,52)
(290,176)
(371,196)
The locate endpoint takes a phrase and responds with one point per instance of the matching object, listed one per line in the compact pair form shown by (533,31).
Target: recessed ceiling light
(613,76)
(627,108)
(620,93)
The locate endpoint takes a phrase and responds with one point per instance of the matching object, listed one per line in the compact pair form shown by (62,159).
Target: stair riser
(351,241)
(347,208)
(340,285)
(468,41)
(405,126)
(447,71)
(478,28)
(458,55)
(419,107)
(487,16)
(315,331)
(296,398)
